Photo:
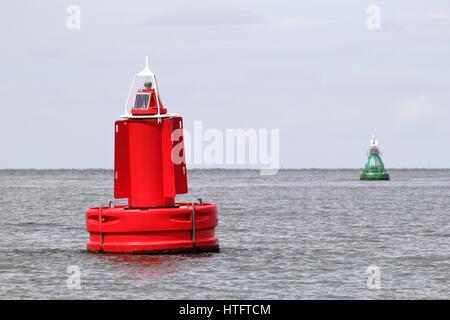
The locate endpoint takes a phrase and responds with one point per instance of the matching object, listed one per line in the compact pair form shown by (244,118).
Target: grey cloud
(200,14)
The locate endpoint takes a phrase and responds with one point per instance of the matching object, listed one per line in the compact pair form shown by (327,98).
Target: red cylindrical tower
(149,171)
(144,170)
(147,166)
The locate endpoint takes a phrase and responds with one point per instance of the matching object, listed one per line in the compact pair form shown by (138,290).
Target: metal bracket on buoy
(193,228)
(100,219)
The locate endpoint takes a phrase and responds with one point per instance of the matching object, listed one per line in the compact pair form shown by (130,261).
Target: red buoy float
(149,171)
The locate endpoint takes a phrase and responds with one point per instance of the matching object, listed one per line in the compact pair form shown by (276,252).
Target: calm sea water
(300,234)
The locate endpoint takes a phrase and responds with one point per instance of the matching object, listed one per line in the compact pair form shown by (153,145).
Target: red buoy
(149,171)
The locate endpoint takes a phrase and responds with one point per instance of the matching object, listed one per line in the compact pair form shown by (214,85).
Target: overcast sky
(312,69)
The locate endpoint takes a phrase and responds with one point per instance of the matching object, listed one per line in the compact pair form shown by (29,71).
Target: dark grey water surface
(299,234)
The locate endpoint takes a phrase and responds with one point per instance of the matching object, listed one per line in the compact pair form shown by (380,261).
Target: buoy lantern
(149,171)
(374,168)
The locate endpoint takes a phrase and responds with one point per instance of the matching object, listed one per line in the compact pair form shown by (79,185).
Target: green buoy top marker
(374,169)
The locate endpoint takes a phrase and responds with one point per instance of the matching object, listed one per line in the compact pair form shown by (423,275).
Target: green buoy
(374,169)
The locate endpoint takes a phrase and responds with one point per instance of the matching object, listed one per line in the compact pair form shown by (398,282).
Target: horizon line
(226,168)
